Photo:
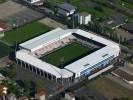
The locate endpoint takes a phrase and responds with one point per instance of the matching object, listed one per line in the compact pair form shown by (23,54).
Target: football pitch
(25,32)
(66,55)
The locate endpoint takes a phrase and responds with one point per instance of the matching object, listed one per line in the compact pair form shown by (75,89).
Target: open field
(66,54)
(25,32)
(4,50)
(110,89)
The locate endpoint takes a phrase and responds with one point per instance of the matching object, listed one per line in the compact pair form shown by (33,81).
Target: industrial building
(99,60)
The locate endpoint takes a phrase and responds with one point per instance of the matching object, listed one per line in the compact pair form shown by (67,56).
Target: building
(115,21)
(40,95)
(69,96)
(11,96)
(100,59)
(128,27)
(130,42)
(2,78)
(3,27)
(23,98)
(35,2)
(3,92)
(66,9)
(83,18)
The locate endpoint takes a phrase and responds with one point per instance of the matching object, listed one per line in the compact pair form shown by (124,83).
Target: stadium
(70,54)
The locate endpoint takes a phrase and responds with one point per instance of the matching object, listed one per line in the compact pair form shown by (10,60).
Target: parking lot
(17,14)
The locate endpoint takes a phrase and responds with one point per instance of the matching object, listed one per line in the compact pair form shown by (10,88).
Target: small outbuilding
(82,18)
(66,9)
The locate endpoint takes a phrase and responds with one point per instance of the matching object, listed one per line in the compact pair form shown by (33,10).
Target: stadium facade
(30,51)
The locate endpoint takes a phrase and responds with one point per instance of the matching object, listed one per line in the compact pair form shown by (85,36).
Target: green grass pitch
(66,54)
(25,32)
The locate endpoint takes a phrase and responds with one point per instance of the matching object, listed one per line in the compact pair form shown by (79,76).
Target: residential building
(3,92)
(40,95)
(69,96)
(11,96)
(23,98)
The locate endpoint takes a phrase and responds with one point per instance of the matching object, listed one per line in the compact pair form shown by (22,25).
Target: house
(128,27)
(83,18)
(11,96)
(3,27)
(2,78)
(130,42)
(115,21)
(3,92)
(23,98)
(69,96)
(65,9)
(40,95)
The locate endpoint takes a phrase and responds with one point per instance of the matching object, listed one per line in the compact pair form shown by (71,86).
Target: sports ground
(24,33)
(66,55)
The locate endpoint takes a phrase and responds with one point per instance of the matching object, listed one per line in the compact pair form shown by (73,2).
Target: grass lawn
(4,50)
(1,1)
(110,89)
(25,32)
(66,54)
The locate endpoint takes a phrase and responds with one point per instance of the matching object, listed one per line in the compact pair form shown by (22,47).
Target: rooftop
(128,27)
(40,93)
(83,14)
(67,6)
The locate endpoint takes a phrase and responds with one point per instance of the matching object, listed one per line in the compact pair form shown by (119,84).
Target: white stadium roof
(44,39)
(26,57)
(111,48)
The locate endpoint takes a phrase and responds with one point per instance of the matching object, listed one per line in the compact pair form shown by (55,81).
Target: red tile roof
(3,25)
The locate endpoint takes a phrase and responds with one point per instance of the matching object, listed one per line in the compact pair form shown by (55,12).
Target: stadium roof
(44,39)
(77,66)
(25,56)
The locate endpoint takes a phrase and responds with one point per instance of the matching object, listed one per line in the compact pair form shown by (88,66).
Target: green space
(110,89)
(4,50)
(25,32)
(66,54)
(1,1)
